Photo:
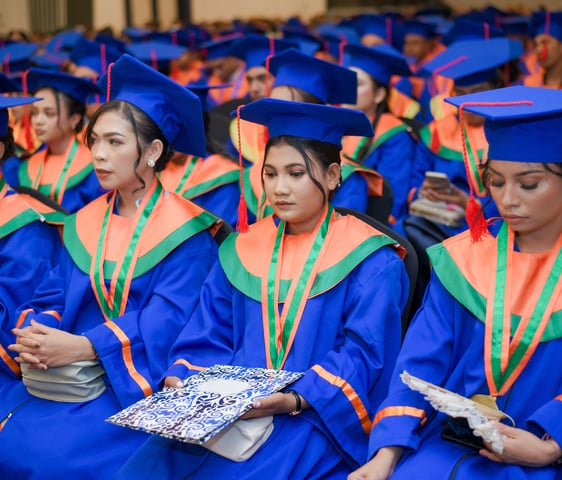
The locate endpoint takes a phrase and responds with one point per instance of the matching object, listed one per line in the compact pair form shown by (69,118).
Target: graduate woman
(62,169)
(29,247)
(490,320)
(97,334)
(304,290)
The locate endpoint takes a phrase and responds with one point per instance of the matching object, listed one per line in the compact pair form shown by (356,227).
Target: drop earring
(151,163)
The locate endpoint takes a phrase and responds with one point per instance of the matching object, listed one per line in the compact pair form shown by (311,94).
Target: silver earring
(151,163)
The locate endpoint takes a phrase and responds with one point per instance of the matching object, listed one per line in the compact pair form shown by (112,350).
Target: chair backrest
(224,231)
(410,260)
(380,208)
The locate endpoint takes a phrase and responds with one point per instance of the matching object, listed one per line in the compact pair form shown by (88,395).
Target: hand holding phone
(438,181)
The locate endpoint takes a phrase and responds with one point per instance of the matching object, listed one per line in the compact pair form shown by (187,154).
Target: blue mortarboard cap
(64,41)
(416,27)
(317,122)
(50,60)
(137,34)
(111,41)
(94,55)
(9,102)
(8,85)
(306,41)
(516,25)
(189,38)
(156,54)
(325,80)
(548,23)
(380,62)
(219,48)
(202,92)
(526,132)
(16,57)
(473,61)
(254,49)
(373,24)
(465,29)
(172,107)
(336,37)
(75,87)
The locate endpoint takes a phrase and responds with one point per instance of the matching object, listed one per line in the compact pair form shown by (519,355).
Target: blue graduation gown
(445,345)
(47,439)
(345,343)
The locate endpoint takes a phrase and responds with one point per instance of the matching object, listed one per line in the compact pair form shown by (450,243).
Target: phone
(457,430)
(438,180)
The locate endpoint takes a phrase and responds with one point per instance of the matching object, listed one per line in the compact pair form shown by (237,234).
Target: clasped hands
(42,347)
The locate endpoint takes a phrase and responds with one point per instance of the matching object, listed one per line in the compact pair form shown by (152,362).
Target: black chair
(41,197)
(380,208)
(224,231)
(410,260)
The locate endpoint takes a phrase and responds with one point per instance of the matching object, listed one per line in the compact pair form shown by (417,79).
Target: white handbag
(241,440)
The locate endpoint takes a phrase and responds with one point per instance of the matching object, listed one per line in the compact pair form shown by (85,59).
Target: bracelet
(298,407)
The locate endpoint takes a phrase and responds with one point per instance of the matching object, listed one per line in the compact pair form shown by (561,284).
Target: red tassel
(242,223)
(475,219)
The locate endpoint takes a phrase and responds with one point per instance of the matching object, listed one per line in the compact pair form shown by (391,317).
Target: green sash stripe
(78,177)
(453,280)
(25,218)
(444,152)
(204,187)
(186,173)
(149,260)
(250,285)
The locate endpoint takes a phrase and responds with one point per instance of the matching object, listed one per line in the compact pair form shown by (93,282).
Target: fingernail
(257,404)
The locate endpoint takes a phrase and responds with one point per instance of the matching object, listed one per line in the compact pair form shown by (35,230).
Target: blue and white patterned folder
(210,401)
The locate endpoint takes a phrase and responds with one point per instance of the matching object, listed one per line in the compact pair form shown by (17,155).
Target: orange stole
(255,248)
(169,214)
(239,88)
(446,133)
(205,170)
(477,263)
(49,166)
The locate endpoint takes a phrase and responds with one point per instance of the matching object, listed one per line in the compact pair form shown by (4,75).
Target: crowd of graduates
(350,198)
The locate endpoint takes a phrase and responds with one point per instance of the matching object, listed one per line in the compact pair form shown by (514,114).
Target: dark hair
(305,96)
(9,145)
(143,126)
(213,145)
(324,153)
(73,106)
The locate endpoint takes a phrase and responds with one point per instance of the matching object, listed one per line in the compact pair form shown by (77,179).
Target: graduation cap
(380,62)
(335,39)
(306,41)
(75,87)
(50,60)
(175,110)
(94,55)
(16,57)
(219,48)
(379,25)
(324,123)
(474,61)
(523,124)
(9,102)
(547,23)
(328,82)
(417,27)
(137,34)
(111,41)
(465,29)
(156,54)
(254,49)
(64,41)
(516,25)
(202,92)
(8,85)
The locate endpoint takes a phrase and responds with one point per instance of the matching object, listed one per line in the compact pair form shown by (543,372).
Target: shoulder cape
(245,258)
(175,221)
(466,268)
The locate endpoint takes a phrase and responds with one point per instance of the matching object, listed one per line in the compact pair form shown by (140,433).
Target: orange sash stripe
(185,363)
(128,359)
(52,313)
(22,316)
(350,393)
(12,365)
(399,411)
(559,397)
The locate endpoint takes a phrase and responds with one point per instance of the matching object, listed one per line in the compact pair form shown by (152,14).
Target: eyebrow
(108,134)
(291,165)
(520,174)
